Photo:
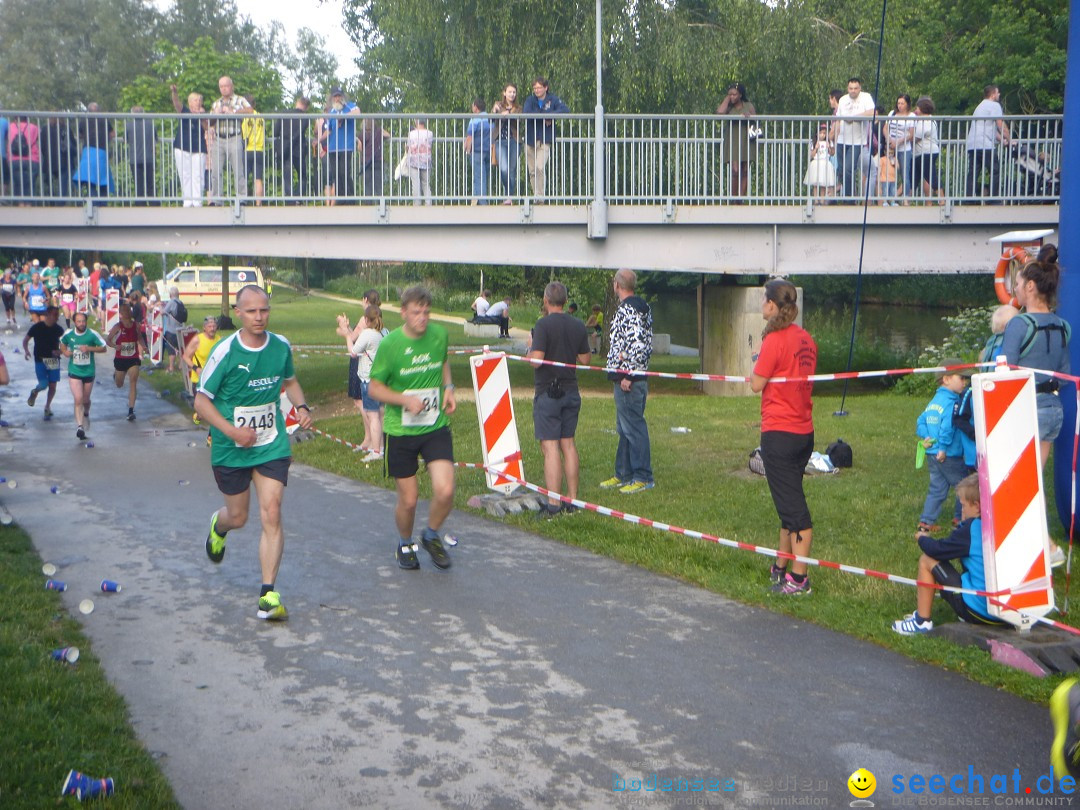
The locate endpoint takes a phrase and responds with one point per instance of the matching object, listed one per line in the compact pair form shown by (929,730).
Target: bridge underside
(751,239)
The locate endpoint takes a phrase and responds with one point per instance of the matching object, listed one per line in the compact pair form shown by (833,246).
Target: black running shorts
(402,451)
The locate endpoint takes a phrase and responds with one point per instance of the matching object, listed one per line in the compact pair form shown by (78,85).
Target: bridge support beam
(731,325)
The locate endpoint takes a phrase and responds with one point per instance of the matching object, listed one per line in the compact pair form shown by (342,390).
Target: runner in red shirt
(130,345)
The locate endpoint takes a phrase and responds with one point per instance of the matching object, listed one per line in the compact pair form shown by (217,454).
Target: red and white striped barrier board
(82,295)
(498,427)
(112,309)
(1016,541)
(155,335)
(292,420)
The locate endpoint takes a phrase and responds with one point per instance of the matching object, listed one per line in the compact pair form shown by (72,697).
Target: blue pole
(1069,247)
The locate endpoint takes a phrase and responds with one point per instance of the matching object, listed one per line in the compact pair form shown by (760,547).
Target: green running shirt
(413,366)
(81,363)
(245,386)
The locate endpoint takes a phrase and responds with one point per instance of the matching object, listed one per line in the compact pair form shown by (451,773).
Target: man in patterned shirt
(239,395)
(226,140)
(629,349)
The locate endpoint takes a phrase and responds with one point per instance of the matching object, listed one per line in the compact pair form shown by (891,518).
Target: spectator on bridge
(95,133)
(562,338)
(59,157)
(740,138)
(24,158)
(901,132)
(507,140)
(419,144)
(630,341)
(821,174)
(886,174)
(372,136)
(851,134)
(479,147)
(254,131)
(189,147)
(986,131)
(141,141)
(290,135)
(226,141)
(926,150)
(787,429)
(540,134)
(4,175)
(337,136)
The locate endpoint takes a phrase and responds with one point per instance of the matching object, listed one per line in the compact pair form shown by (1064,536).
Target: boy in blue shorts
(964,544)
(46,335)
(943,443)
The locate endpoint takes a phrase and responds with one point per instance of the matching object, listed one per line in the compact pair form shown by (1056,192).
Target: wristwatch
(304,406)
(451,386)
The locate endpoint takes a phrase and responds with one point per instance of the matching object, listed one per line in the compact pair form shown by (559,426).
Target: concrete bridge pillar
(731,325)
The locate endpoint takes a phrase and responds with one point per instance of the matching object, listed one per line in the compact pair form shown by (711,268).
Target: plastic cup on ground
(68,655)
(86,607)
(82,786)
(55,585)
(55,490)
(48,569)
(11,484)
(108,586)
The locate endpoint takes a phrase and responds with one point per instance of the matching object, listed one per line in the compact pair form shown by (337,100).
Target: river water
(903,328)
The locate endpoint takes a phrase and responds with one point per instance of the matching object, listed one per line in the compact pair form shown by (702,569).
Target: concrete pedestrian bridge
(648,192)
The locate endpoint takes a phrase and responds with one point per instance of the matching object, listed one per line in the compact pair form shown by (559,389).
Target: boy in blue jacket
(964,544)
(943,443)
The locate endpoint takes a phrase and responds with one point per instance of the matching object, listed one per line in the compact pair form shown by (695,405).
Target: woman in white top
(350,334)
(926,150)
(367,343)
(901,133)
(419,150)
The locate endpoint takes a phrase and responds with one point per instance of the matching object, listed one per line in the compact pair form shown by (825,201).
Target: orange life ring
(1005,274)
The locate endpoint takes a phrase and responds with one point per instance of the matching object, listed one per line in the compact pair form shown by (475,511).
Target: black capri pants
(785,456)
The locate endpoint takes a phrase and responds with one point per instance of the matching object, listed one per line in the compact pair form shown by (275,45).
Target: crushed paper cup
(86,606)
(48,569)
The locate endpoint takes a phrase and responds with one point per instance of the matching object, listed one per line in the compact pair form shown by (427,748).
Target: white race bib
(260,418)
(127,348)
(51,363)
(430,412)
(80,356)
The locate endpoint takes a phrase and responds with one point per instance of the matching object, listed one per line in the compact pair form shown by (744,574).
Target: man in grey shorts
(556,404)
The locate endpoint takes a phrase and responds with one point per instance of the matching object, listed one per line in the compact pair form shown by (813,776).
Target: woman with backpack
(24,157)
(1039,339)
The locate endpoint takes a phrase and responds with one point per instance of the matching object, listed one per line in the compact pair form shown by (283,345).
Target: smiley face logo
(862,784)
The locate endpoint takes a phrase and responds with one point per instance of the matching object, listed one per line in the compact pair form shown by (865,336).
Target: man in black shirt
(292,150)
(46,335)
(561,338)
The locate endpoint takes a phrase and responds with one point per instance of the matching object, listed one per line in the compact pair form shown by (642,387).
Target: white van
(201,284)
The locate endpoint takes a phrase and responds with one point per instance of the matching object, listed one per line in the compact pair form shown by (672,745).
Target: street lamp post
(598,219)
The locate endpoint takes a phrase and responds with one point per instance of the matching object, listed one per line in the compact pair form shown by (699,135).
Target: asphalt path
(532,674)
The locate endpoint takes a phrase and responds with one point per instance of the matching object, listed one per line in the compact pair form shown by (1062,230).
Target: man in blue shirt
(478,146)
(337,139)
(540,133)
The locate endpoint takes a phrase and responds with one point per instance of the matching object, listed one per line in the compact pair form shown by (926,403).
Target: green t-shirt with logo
(413,365)
(81,362)
(245,385)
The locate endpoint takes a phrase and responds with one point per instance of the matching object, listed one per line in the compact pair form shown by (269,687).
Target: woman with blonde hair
(367,343)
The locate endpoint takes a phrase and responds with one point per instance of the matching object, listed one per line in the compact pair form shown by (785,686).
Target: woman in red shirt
(127,339)
(787,428)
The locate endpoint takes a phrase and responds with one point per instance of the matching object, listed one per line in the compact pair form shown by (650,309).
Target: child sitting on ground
(964,544)
(943,443)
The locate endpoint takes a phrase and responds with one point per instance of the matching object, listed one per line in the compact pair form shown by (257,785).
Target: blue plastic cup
(68,655)
(55,585)
(108,586)
(82,786)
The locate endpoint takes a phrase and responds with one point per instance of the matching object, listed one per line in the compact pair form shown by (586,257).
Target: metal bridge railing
(277,159)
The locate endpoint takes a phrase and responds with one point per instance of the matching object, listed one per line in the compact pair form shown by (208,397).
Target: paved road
(530,675)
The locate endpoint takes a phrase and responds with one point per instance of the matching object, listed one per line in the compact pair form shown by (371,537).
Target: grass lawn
(864,516)
(54,716)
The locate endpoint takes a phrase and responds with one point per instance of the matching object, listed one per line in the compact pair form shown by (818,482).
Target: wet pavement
(531,674)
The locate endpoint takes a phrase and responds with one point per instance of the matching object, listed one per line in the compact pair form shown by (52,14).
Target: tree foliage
(677,56)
